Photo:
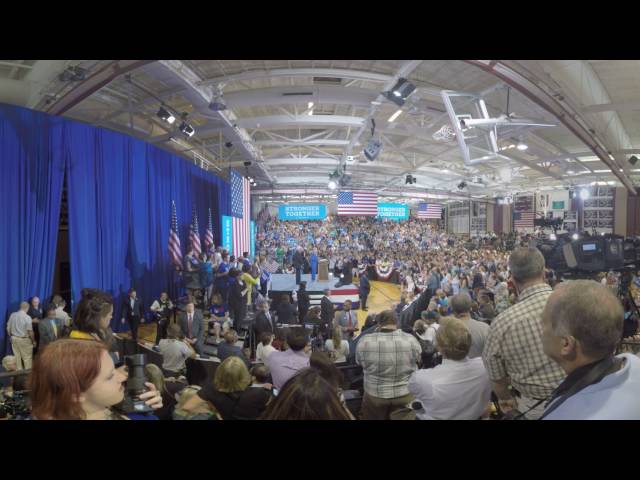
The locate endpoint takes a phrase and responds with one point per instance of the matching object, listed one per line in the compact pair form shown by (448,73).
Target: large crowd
(501,337)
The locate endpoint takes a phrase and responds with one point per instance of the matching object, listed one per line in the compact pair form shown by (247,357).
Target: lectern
(323,270)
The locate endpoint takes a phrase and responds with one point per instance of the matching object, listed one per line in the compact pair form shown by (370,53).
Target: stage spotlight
(217,103)
(633,159)
(332,185)
(372,150)
(575,236)
(186,129)
(584,194)
(522,146)
(410,179)
(165,115)
(400,92)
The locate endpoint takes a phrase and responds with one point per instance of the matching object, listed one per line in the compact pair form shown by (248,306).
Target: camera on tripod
(135,385)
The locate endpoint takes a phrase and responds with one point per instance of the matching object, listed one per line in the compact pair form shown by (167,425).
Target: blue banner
(227,233)
(393,211)
(302,212)
(253,239)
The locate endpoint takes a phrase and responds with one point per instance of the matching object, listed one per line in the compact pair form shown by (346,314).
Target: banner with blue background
(227,232)
(302,212)
(393,211)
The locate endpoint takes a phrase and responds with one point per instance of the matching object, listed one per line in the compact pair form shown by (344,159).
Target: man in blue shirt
(581,327)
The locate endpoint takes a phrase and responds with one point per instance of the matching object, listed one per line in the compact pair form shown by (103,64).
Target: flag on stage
(240,205)
(208,234)
(194,234)
(358,203)
(174,240)
(430,210)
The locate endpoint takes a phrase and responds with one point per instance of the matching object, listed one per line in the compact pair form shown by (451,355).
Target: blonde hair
(453,338)
(232,376)
(7,360)
(155,375)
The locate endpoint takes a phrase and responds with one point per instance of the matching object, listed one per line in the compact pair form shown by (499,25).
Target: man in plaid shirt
(388,358)
(513,353)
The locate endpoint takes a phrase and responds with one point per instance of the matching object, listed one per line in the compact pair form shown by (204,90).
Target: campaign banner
(302,212)
(393,211)
(227,233)
(253,239)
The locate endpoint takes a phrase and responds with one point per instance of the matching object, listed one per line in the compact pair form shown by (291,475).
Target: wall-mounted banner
(253,239)
(227,233)
(302,212)
(393,211)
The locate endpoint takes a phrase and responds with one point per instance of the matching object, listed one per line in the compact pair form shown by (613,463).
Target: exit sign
(557,205)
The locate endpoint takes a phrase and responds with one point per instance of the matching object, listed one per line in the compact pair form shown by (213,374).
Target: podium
(323,270)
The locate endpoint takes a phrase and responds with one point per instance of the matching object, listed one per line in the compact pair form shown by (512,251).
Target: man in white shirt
(20,330)
(457,389)
(581,327)
(174,351)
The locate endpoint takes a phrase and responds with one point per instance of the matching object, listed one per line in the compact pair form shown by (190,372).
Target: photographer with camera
(77,380)
(581,328)
(513,352)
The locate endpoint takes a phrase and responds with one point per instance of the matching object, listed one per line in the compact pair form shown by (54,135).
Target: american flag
(240,204)
(194,234)
(523,212)
(430,210)
(271,266)
(208,234)
(358,203)
(174,241)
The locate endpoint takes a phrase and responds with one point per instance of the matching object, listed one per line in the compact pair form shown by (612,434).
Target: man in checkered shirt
(388,358)
(513,353)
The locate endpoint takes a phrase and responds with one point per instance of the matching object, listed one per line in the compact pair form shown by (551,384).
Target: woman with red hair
(77,380)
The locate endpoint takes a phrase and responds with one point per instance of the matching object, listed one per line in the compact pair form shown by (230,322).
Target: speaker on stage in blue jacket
(313,261)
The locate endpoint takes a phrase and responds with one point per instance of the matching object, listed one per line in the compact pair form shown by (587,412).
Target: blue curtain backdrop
(120,192)
(31,176)
(119,195)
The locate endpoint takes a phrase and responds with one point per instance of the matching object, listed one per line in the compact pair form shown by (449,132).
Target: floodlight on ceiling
(165,115)
(187,129)
(575,236)
(584,194)
(522,146)
(332,185)
(217,104)
(400,91)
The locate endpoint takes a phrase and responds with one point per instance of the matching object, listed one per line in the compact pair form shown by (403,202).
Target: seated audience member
(260,377)
(286,311)
(457,389)
(265,348)
(229,348)
(202,411)
(337,347)
(168,390)
(313,316)
(92,319)
(9,364)
(175,352)
(581,327)
(307,396)
(50,328)
(388,357)
(284,365)
(220,316)
(461,306)
(230,395)
(326,367)
(77,380)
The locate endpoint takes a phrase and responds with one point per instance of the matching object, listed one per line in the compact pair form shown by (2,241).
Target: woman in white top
(337,347)
(264,348)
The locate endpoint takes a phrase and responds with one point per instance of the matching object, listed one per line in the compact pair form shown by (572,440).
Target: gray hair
(461,303)
(526,264)
(453,338)
(589,312)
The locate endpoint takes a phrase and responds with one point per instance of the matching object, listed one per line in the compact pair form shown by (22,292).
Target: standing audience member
(132,312)
(263,323)
(327,309)
(36,313)
(337,347)
(388,357)
(461,306)
(457,389)
(20,330)
(192,325)
(307,396)
(162,310)
(303,302)
(284,365)
(581,327)
(76,380)
(50,329)
(513,354)
(61,315)
(175,351)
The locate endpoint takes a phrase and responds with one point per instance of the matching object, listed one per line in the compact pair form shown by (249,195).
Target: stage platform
(285,283)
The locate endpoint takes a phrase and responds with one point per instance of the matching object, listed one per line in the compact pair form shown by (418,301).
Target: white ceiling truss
(297,120)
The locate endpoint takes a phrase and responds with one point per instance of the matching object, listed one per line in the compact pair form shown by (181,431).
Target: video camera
(135,385)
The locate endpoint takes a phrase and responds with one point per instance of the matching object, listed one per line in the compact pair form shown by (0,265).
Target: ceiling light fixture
(332,185)
(394,116)
(584,194)
(310,105)
(522,146)
(165,115)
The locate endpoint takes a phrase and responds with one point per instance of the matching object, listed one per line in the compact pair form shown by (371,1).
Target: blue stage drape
(119,197)
(31,176)
(120,192)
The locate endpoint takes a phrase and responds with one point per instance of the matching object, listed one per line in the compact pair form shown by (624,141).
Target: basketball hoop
(445,134)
